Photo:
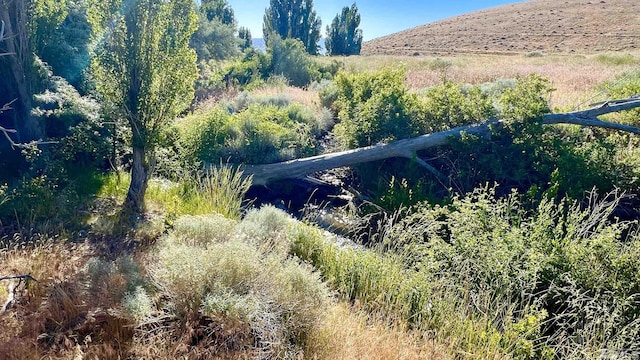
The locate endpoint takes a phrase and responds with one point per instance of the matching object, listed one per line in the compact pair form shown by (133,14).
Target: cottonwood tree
(145,72)
(16,68)
(219,10)
(293,19)
(343,35)
(215,37)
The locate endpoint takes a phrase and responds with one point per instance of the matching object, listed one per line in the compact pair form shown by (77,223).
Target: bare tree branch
(13,288)
(14,144)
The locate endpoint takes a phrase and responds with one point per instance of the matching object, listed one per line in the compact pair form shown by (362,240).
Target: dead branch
(590,117)
(14,144)
(13,288)
(18,277)
(407,148)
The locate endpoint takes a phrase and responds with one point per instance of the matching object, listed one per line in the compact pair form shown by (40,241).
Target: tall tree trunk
(20,59)
(139,180)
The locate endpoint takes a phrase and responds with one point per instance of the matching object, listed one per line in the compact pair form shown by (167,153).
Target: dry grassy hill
(549,26)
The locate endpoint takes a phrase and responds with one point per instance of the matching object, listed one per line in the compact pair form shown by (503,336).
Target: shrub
(623,87)
(375,107)
(260,134)
(495,276)
(450,105)
(201,230)
(290,59)
(242,273)
(267,228)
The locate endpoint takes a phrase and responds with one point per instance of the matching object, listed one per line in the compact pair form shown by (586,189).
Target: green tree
(244,35)
(145,72)
(215,37)
(289,59)
(214,40)
(62,39)
(293,19)
(218,10)
(343,35)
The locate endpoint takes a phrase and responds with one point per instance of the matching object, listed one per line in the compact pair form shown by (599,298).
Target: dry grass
(348,334)
(575,77)
(525,26)
(297,95)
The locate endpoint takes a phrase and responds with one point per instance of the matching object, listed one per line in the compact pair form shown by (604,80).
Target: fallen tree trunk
(300,168)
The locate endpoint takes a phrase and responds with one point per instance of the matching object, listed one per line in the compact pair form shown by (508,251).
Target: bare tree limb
(14,144)
(590,117)
(18,277)
(13,288)
(300,168)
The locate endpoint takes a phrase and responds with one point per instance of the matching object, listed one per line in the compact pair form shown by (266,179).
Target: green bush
(551,257)
(260,134)
(375,107)
(449,105)
(621,88)
(493,277)
(290,59)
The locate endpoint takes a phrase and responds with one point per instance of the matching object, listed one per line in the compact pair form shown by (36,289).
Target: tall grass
(218,190)
(495,280)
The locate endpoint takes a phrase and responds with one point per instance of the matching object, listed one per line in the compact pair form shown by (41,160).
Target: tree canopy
(343,35)
(215,37)
(293,19)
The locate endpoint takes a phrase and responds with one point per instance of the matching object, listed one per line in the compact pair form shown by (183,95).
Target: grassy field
(575,77)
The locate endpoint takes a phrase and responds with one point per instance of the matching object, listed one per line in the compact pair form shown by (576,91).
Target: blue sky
(379,17)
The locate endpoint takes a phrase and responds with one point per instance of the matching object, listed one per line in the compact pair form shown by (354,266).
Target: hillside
(548,26)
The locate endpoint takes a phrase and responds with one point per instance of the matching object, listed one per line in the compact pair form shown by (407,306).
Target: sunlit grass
(219,190)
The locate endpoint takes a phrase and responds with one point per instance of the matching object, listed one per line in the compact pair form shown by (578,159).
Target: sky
(379,17)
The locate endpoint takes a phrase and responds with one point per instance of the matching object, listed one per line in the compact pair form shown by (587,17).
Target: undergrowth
(494,279)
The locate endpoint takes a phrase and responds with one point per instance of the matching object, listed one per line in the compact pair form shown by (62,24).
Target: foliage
(61,35)
(289,59)
(496,277)
(293,20)
(375,107)
(220,190)
(624,87)
(527,101)
(244,34)
(277,297)
(218,10)
(450,105)
(259,134)
(343,35)
(46,18)
(214,40)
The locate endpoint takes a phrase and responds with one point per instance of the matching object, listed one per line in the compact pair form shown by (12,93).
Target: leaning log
(407,148)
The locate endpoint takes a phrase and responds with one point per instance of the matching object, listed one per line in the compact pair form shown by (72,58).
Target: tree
(16,68)
(343,35)
(244,35)
(145,71)
(215,37)
(293,19)
(62,39)
(218,10)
